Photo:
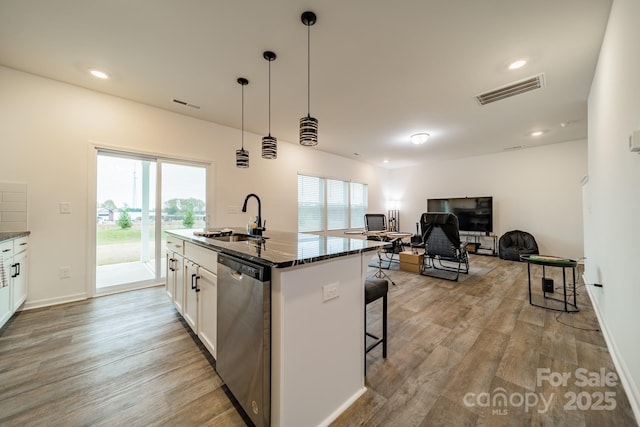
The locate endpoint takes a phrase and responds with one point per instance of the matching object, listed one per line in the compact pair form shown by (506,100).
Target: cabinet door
(179,288)
(190,308)
(208,301)
(170,275)
(20,275)
(6,303)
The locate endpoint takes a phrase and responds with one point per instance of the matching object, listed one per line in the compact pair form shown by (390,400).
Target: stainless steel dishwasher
(244,334)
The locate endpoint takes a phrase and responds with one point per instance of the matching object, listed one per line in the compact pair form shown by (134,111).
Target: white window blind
(359,204)
(330,204)
(311,206)
(337,204)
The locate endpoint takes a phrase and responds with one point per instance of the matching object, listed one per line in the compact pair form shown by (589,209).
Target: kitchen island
(317,318)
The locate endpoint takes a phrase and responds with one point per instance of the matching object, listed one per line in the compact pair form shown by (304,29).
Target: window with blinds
(330,204)
(359,204)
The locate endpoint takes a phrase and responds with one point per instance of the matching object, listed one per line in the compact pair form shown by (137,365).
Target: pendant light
(242,155)
(269,143)
(308,124)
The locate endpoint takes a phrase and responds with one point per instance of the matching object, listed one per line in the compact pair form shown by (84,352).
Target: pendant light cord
(269,97)
(308,70)
(242,120)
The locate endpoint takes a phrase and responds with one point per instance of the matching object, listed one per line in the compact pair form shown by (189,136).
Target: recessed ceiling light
(419,138)
(385,161)
(536,133)
(517,64)
(99,74)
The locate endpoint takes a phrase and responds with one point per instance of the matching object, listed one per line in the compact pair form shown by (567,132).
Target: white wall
(48,127)
(536,190)
(613,197)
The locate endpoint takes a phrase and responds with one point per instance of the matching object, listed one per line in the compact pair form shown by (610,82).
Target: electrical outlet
(64,272)
(330,291)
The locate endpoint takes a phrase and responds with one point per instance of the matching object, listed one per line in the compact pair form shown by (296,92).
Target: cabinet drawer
(206,258)
(175,245)
(6,249)
(20,244)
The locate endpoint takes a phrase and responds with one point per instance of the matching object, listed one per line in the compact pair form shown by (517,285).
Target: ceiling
(380,70)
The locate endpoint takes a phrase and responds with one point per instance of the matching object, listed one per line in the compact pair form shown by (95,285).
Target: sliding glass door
(137,198)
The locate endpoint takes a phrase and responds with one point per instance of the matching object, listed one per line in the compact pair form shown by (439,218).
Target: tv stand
(478,237)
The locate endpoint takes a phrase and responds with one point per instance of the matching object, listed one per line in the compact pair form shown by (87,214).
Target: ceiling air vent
(186,104)
(514,89)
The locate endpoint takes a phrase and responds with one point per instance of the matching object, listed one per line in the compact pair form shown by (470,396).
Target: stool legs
(379,340)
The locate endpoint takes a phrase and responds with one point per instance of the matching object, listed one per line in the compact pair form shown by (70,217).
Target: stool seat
(374,289)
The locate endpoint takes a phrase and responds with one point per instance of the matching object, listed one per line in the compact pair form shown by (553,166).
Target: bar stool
(375,289)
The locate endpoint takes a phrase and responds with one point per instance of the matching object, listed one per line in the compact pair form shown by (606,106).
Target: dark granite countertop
(8,235)
(284,249)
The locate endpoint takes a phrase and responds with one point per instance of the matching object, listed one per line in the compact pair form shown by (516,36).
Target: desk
(547,301)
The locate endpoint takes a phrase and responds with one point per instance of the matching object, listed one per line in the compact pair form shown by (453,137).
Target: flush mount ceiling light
(419,138)
(242,155)
(536,133)
(517,64)
(269,143)
(99,74)
(308,124)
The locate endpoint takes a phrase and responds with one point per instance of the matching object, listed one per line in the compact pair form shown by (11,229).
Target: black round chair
(514,243)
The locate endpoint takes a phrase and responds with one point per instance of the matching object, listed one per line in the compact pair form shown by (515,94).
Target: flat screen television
(474,213)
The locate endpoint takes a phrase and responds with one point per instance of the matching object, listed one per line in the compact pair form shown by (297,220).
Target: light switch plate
(65,208)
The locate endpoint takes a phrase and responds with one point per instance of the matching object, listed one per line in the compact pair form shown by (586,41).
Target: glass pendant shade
(269,147)
(242,158)
(308,131)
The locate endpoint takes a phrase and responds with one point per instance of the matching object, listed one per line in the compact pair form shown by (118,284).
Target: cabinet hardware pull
(6,250)
(193,281)
(197,288)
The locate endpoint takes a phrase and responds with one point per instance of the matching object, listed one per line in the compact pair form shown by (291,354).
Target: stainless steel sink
(239,237)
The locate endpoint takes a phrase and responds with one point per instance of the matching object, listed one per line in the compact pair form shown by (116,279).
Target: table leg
(529,277)
(564,288)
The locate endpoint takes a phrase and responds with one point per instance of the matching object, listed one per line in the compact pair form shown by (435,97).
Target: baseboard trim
(630,387)
(30,305)
(335,414)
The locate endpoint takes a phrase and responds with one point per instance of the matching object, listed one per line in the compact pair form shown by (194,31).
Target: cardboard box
(411,262)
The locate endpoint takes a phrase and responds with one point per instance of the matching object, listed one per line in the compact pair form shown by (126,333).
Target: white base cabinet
(20,271)
(192,285)
(6,299)
(175,272)
(14,285)
(207,310)
(190,312)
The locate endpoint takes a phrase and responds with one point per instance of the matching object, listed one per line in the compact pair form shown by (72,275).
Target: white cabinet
(190,312)
(208,309)
(20,272)
(192,285)
(6,301)
(175,272)
(14,256)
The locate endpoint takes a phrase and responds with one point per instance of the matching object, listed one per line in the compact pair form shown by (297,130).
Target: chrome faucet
(258,230)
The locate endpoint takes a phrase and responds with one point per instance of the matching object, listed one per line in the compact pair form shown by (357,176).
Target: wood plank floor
(128,359)
(455,348)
